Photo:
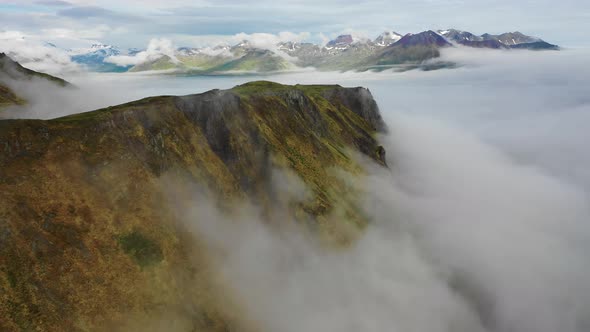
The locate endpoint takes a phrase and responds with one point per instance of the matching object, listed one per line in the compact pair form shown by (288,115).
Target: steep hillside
(10,69)
(10,72)
(255,60)
(87,240)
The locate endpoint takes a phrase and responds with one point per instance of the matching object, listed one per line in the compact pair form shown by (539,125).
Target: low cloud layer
(156,49)
(462,238)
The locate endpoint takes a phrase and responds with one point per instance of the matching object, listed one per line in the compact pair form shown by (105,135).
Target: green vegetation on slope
(162,63)
(202,61)
(143,250)
(9,98)
(254,61)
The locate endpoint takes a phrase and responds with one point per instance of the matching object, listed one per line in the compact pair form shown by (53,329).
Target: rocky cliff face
(86,240)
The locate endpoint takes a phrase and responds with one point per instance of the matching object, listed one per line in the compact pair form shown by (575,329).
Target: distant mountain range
(94,58)
(344,53)
(515,40)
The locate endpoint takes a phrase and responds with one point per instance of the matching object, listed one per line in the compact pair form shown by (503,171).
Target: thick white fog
(482,222)
(463,238)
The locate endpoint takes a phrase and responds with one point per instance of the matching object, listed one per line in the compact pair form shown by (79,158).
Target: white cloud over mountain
(155,49)
(35,54)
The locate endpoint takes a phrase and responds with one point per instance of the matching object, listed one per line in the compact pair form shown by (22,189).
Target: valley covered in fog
(481,222)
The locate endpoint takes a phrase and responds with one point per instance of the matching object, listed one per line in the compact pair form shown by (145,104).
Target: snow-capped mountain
(341,42)
(93,58)
(426,38)
(345,52)
(458,35)
(98,49)
(506,40)
(512,38)
(387,38)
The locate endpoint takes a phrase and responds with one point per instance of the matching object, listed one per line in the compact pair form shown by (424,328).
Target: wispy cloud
(155,49)
(35,54)
(56,3)
(95,12)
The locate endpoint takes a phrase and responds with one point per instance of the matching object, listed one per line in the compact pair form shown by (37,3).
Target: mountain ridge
(11,72)
(345,52)
(87,240)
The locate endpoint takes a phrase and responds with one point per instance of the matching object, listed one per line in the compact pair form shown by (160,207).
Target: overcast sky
(132,23)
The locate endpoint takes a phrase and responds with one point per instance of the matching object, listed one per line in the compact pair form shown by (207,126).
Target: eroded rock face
(87,240)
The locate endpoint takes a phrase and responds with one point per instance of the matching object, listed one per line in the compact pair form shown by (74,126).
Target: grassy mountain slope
(254,61)
(203,61)
(86,240)
(163,63)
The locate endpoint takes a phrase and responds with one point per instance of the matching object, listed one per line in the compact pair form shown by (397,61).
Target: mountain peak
(459,36)
(425,38)
(387,38)
(341,41)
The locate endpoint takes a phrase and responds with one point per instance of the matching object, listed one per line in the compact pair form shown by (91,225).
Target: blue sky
(133,23)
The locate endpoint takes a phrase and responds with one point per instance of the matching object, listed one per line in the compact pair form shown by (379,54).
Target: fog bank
(480,224)
(462,238)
